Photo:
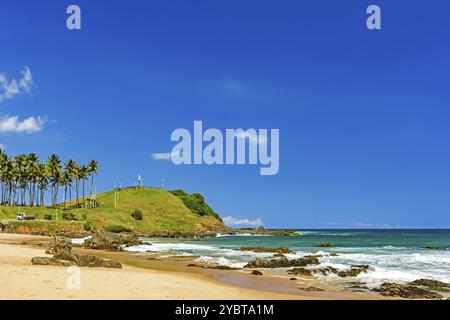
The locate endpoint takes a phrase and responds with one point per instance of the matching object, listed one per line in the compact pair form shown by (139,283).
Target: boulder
(268,250)
(325,270)
(354,271)
(46,261)
(389,289)
(256,273)
(300,272)
(111,241)
(429,283)
(324,245)
(282,262)
(89,260)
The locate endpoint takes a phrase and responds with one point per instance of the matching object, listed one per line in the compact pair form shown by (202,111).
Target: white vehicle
(21,216)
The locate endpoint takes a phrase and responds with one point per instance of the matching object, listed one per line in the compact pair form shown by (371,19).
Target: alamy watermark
(234,146)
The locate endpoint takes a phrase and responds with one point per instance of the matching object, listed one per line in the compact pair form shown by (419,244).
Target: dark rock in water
(388,289)
(46,261)
(325,270)
(433,247)
(429,283)
(333,254)
(111,241)
(268,250)
(324,245)
(354,271)
(256,273)
(311,289)
(293,279)
(300,272)
(282,262)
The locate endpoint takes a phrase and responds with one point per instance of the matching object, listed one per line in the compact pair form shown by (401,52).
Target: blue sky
(363,115)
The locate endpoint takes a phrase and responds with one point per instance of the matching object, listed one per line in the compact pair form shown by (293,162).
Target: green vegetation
(24,179)
(137,214)
(117,229)
(196,203)
(161,212)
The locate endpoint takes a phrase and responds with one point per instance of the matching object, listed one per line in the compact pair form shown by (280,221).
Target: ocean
(395,255)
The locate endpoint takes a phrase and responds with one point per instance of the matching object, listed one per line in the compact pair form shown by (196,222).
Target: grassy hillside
(161,212)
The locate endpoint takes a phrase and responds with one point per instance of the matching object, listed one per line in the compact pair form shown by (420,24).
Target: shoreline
(144,278)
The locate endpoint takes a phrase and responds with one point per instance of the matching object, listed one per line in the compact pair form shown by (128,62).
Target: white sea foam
(221,261)
(390,263)
(79,241)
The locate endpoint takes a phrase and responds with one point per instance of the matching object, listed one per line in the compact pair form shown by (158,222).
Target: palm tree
(3,161)
(70,169)
(42,181)
(24,179)
(93,168)
(54,167)
(84,174)
(66,183)
(31,175)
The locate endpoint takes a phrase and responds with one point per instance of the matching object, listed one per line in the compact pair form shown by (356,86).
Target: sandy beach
(22,280)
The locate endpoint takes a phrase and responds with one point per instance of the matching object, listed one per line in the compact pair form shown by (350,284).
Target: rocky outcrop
(328,270)
(282,262)
(389,289)
(325,271)
(46,261)
(193,265)
(429,283)
(300,272)
(181,234)
(354,271)
(63,256)
(111,241)
(311,289)
(268,250)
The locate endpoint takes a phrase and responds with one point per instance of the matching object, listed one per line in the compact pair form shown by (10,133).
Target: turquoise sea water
(395,255)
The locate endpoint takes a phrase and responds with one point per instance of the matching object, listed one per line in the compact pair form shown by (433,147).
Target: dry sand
(19,279)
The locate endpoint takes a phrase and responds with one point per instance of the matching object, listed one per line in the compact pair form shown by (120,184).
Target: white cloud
(163,156)
(2,146)
(13,87)
(12,124)
(230,221)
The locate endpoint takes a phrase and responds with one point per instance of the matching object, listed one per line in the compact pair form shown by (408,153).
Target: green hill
(162,212)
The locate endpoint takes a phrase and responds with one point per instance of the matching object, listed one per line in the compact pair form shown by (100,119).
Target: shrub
(84,216)
(69,216)
(87,226)
(137,214)
(118,229)
(48,217)
(178,193)
(196,203)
